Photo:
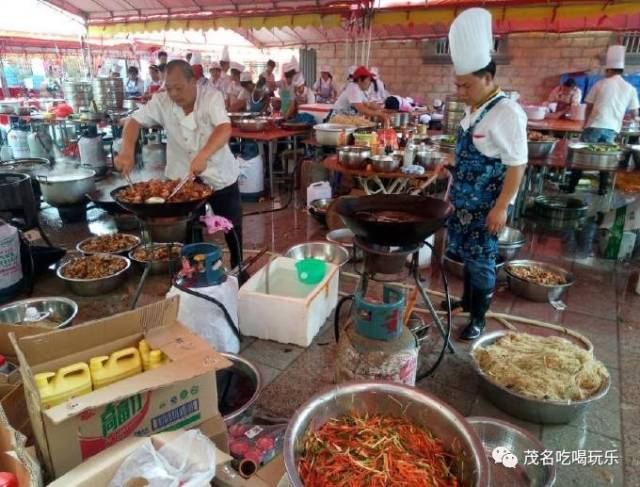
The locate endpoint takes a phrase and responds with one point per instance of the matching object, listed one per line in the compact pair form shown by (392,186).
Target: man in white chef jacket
(490,159)
(198,130)
(608,102)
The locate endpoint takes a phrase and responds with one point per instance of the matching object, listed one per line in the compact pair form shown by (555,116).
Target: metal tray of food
(595,156)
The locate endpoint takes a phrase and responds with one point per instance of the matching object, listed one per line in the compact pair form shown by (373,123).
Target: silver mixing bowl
(510,241)
(496,433)
(329,252)
(524,407)
(534,291)
(157,266)
(386,163)
(354,156)
(378,397)
(60,310)
(95,287)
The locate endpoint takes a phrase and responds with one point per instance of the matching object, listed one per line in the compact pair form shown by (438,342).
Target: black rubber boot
(464,301)
(480,302)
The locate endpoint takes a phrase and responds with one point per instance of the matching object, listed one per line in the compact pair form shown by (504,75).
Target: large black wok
(158,210)
(427,215)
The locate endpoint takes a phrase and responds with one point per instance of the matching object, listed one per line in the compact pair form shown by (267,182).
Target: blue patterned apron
(477,183)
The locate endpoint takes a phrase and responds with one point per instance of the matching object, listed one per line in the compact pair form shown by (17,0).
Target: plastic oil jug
(151,359)
(106,370)
(70,381)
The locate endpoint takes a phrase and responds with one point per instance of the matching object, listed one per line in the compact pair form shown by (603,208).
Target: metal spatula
(180,185)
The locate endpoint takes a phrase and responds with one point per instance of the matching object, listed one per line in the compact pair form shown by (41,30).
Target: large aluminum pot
(239,387)
(329,133)
(583,155)
(27,165)
(78,94)
(67,189)
(560,208)
(108,93)
(390,399)
(524,407)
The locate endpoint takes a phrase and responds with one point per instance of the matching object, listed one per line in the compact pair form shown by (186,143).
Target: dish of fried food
(109,244)
(159,252)
(157,188)
(535,136)
(538,275)
(96,266)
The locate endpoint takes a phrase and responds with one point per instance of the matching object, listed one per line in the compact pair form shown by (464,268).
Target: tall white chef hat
(298,81)
(225,54)
(196,58)
(375,71)
(471,41)
(215,65)
(286,67)
(615,57)
(246,76)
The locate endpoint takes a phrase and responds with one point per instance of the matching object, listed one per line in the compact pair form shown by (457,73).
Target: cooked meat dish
(142,191)
(388,216)
(538,275)
(110,244)
(156,253)
(93,267)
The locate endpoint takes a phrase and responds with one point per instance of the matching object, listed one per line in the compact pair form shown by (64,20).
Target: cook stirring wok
(491,156)
(198,131)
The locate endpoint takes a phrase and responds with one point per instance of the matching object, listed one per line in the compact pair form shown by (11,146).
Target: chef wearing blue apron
(491,156)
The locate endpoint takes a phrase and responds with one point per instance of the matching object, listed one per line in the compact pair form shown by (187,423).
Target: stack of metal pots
(78,94)
(108,93)
(453,113)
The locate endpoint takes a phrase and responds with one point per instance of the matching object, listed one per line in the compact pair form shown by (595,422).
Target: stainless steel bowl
(54,308)
(329,252)
(95,287)
(354,156)
(82,243)
(538,292)
(344,237)
(251,125)
(237,116)
(318,209)
(385,163)
(329,133)
(386,398)
(496,433)
(157,266)
(429,158)
(541,149)
(581,155)
(524,407)
(239,387)
(510,241)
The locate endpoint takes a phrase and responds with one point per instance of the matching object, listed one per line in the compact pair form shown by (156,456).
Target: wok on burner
(153,210)
(404,220)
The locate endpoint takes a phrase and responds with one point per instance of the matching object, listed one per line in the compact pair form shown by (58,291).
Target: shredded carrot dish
(374,451)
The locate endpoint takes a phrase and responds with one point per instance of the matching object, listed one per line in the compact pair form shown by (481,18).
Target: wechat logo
(503,455)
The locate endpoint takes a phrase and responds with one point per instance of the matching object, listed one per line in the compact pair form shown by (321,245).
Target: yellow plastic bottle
(151,359)
(106,370)
(70,381)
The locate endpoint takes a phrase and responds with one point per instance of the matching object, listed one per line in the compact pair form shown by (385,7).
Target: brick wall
(536,63)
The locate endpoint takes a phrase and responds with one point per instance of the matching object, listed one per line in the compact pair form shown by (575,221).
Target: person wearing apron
(324,87)
(490,158)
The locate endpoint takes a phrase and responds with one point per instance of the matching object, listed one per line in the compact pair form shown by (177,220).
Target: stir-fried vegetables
(374,451)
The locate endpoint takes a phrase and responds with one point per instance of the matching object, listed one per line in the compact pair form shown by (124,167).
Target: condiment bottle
(409,153)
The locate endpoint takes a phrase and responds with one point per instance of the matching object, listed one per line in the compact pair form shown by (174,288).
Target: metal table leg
(272,156)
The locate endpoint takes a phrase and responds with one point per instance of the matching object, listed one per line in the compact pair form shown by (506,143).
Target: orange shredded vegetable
(374,451)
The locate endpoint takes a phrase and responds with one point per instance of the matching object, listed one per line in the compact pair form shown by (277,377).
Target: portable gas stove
(388,229)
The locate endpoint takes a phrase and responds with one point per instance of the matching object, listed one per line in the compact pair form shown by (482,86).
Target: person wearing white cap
(377,90)
(304,96)
(608,102)
(216,79)
(490,159)
(324,87)
(231,86)
(198,131)
(286,90)
(248,94)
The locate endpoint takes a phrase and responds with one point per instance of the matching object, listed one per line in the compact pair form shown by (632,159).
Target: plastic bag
(259,443)
(206,319)
(188,461)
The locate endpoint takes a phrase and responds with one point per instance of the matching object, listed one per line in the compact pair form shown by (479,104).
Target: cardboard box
(101,468)
(180,394)
(14,458)
(15,409)
(6,348)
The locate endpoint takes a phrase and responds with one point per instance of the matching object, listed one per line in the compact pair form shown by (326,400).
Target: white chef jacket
(611,98)
(349,97)
(187,134)
(502,133)
(218,84)
(233,90)
(573,97)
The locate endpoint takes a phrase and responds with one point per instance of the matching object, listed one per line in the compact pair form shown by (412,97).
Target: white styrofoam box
(292,312)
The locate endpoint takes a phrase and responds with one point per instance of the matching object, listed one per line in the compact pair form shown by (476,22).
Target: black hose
(336,318)
(213,300)
(289,199)
(447,337)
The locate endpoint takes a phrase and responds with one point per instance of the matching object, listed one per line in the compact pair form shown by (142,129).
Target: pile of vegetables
(374,451)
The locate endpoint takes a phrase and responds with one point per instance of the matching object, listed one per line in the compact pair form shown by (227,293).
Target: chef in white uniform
(232,86)
(608,102)
(198,131)
(216,79)
(490,159)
